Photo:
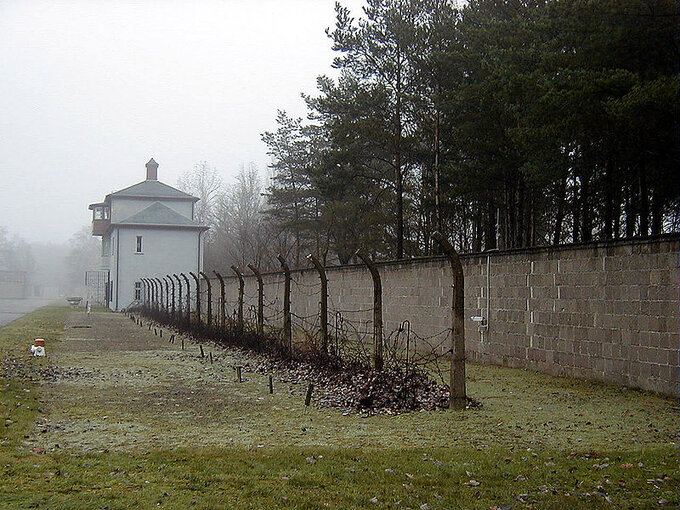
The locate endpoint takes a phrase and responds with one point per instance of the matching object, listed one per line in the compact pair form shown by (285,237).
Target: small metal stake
(271,384)
(308,397)
(238,374)
(201,347)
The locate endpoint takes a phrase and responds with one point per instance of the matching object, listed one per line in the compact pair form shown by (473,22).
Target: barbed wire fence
(231,310)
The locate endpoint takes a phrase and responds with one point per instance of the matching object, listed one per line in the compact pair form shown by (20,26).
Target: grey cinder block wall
(605,311)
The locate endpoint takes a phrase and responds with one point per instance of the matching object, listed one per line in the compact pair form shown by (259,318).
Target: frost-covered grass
(135,422)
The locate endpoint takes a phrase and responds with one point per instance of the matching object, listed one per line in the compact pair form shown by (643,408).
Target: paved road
(11,309)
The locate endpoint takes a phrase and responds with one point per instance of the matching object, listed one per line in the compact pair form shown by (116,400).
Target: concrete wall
(603,311)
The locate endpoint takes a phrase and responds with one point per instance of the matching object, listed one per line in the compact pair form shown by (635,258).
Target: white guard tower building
(147,230)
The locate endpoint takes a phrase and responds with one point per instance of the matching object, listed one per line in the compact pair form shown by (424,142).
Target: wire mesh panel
(13,285)
(97,286)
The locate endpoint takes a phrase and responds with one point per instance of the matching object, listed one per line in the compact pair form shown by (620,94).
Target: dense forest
(502,124)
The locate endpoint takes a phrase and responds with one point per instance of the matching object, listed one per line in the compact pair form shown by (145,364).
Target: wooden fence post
(377,311)
(458,398)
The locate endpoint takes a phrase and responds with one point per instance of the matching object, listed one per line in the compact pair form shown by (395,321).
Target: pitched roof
(159,215)
(153,189)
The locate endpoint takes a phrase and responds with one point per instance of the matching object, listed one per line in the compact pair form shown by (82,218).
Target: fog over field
(92,90)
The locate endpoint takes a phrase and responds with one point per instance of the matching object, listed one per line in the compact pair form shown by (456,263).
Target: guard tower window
(138,290)
(100,213)
(139,244)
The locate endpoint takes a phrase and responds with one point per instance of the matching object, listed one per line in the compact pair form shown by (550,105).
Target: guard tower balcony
(101,219)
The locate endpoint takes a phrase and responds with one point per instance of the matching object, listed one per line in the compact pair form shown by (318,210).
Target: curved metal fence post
(179,297)
(152,294)
(458,399)
(287,326)
(167,296)
(377,311)
(145,297)
(159,295)
(241,283)
(186,280)
(147,293)
(260,299)
(323,313)
(223,312)
(207,282)
(198,296)
(172,306)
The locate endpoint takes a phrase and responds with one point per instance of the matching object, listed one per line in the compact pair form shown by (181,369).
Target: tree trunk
(631,212)
(559,215)
(576,211)
(608,201)
(398,170)
(532,222)
(437,178)
(490,227)
(657,213)
(477,228)
(617,215)
(586,211)
(644,202)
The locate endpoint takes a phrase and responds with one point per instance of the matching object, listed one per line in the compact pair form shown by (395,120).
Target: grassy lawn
(116,417)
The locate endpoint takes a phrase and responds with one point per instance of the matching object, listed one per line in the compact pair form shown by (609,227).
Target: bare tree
(242,233)
(204,182)
(15,253)
(84,255)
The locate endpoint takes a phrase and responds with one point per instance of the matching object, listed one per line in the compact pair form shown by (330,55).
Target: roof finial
(152,170)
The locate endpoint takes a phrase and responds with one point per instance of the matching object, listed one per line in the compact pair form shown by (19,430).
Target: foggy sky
(91,90)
